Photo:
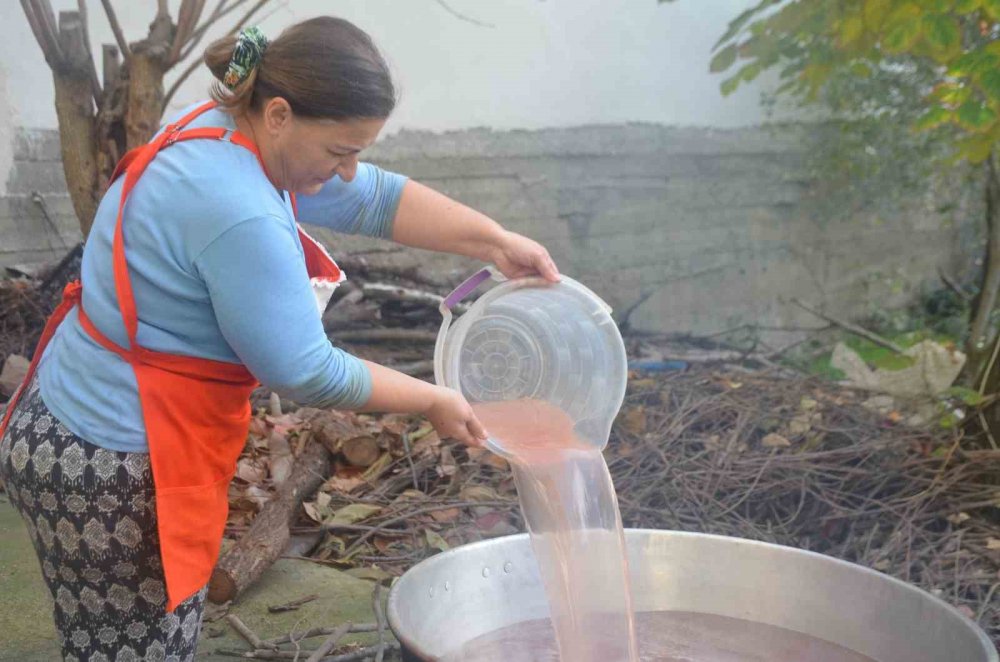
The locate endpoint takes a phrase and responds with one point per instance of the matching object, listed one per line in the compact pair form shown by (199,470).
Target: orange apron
(196,411)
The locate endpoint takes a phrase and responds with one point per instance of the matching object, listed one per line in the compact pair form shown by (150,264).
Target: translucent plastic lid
(532,339)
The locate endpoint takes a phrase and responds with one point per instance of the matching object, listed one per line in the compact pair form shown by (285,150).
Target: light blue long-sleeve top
(217,272)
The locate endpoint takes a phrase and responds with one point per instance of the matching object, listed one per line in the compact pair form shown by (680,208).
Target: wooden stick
(319,632)
(244,631)
(354,656)
(329,644)
(268,534)
(409,295)
(293,605)
(197,61)
(954,286)
(116,28)
(853,328)
(421,511)
(46,41)
(379,619)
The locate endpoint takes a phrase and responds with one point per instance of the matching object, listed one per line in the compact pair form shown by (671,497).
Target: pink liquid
(570,508)
(667,636)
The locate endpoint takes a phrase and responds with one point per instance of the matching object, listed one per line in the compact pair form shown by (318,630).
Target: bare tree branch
(95,83)
(220,11)
(194,65)
(117,29)
(45,33)
(187,18)
(43,9)
(463,17)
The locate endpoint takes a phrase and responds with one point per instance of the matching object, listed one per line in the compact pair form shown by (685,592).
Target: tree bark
(77,120)
(145,97)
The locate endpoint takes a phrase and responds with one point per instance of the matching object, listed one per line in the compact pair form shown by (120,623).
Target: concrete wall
(681,230)
(37,222)
(692,230)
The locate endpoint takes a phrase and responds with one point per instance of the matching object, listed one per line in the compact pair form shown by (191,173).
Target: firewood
(268,535)
(360,451)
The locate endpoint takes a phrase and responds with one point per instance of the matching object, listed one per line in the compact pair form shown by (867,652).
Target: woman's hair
(324,67)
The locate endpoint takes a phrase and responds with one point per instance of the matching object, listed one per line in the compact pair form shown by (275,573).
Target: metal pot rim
(464,550)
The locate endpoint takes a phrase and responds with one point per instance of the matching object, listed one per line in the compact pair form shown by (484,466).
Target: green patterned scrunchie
(250,46)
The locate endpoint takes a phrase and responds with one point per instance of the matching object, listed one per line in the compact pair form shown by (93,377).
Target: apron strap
(132,165)
(319,264)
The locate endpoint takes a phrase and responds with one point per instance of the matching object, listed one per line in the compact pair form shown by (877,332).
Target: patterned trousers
(91,516)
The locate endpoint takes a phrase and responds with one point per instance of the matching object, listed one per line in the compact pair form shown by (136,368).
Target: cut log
(388,291)
(266,538)
(360,451)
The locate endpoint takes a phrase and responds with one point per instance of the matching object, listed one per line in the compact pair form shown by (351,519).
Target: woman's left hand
(518,256)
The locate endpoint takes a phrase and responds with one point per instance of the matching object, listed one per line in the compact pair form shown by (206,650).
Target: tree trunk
(74,108)
(77,122)
(145,97)
(979,344)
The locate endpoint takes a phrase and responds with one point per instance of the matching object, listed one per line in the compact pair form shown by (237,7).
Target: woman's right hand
(452,416)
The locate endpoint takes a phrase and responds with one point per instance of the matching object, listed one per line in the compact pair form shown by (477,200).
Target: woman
(197,284)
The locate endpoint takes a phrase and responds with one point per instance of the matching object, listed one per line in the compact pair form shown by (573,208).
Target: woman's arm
(446,409)
(427,219)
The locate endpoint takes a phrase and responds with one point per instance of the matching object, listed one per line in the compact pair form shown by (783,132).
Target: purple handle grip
(465,289)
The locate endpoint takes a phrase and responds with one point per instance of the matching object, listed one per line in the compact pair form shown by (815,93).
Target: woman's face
(304,153)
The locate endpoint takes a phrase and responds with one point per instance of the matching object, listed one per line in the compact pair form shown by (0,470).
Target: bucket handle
(466,288)
(449,302)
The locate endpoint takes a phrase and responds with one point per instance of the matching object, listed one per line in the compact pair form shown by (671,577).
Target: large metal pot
(456,596)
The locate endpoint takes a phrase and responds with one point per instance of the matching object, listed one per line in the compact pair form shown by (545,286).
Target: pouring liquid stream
(571,512)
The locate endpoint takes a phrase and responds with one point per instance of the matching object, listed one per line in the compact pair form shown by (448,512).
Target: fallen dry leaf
(342,485)
(478,493)
(775,441)
(258,427)
(448,466)
(435,540)
(803,423)
(281,457)
(250,470)
(447,515)
(634,420)
(426,443)
(315,511)
(378,467)
(352,513)
(992,543)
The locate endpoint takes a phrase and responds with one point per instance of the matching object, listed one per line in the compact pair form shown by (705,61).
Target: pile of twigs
(794,461)
(25,304)
(331,648)
(799,462)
